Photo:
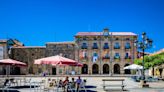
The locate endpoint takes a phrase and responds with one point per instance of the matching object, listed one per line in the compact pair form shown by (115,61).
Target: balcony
(106,57)
(117,57)
(127,47)
(84,47)
(127,57)
(116,47)
(95,47)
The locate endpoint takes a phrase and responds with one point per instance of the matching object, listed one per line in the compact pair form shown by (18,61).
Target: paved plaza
(131,86)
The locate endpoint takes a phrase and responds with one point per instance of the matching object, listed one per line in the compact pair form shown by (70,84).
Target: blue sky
(35,22)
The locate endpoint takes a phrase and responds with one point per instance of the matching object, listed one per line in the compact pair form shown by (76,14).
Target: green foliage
(151,61)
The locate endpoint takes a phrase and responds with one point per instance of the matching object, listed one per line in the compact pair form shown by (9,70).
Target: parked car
(147,78)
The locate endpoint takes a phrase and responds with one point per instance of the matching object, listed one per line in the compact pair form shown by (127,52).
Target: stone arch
(95,69)
(127,71)
(116,69)
(84,69)
(105,69)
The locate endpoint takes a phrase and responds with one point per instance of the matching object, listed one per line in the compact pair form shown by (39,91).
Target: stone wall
(28,55)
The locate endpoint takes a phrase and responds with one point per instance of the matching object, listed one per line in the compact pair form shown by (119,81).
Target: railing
(127,57)
(117,57)
(95,47)
(116,47)
(127,47)
(106,47)
(84,47)
(106,57)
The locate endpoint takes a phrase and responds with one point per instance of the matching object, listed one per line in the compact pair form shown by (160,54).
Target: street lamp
(145,43)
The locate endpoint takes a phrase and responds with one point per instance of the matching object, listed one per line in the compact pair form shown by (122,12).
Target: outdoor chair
(13,82)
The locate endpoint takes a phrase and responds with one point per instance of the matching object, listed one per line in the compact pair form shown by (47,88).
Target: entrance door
(95,69)
(53,71)
(84,69)
(105,69)
(116,69)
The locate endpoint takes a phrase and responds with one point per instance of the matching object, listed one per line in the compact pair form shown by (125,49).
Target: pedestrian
(78,82)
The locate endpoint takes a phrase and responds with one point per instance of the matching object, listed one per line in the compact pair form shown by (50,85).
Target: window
(117,56)
(84,46)
(32,54)
(127,39)
(66,56)
(106,46)
(84,54)
(106,56)
(95,46)
(84,38)
(95,38)
(117,45)
(127,56)
(127,45)
(95,57)
(95,54)
(117,39)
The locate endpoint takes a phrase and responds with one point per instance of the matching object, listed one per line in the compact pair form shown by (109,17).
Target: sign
(1,52)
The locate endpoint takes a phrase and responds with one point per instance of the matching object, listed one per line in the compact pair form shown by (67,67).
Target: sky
(35,22)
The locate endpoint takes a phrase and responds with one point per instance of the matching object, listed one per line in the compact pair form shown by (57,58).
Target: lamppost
(145,43)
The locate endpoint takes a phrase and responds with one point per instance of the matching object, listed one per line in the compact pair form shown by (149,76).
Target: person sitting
(78,82)
(60,84)
(73,83)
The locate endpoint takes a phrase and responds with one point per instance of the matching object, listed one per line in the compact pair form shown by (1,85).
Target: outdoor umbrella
(12,62)
(134,67)
(56,60)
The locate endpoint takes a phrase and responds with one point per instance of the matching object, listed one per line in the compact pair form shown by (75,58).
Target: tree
(151,61)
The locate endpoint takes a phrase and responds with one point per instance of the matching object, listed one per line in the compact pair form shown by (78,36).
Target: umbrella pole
(6,71)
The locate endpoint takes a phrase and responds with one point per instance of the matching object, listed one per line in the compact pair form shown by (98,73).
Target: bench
(121,84)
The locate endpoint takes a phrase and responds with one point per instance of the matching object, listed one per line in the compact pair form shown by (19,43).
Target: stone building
(105,52)
(100,52)
(157,70)
(27,55)
(5,50)
(65,49)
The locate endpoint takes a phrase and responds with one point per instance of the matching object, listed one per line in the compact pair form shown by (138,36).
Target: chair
(14,82)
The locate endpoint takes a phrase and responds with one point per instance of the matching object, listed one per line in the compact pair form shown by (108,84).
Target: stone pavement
(131,86)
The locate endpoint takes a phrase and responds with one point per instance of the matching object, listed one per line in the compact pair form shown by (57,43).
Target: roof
(15,41)
(101,33)
(30,47)
(3,40)
(66,42)
(158,52)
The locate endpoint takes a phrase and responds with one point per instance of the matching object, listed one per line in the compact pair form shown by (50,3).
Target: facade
(105,52)
(159,69)
(27,55)
(5,50)
(101,53)
(65,49)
